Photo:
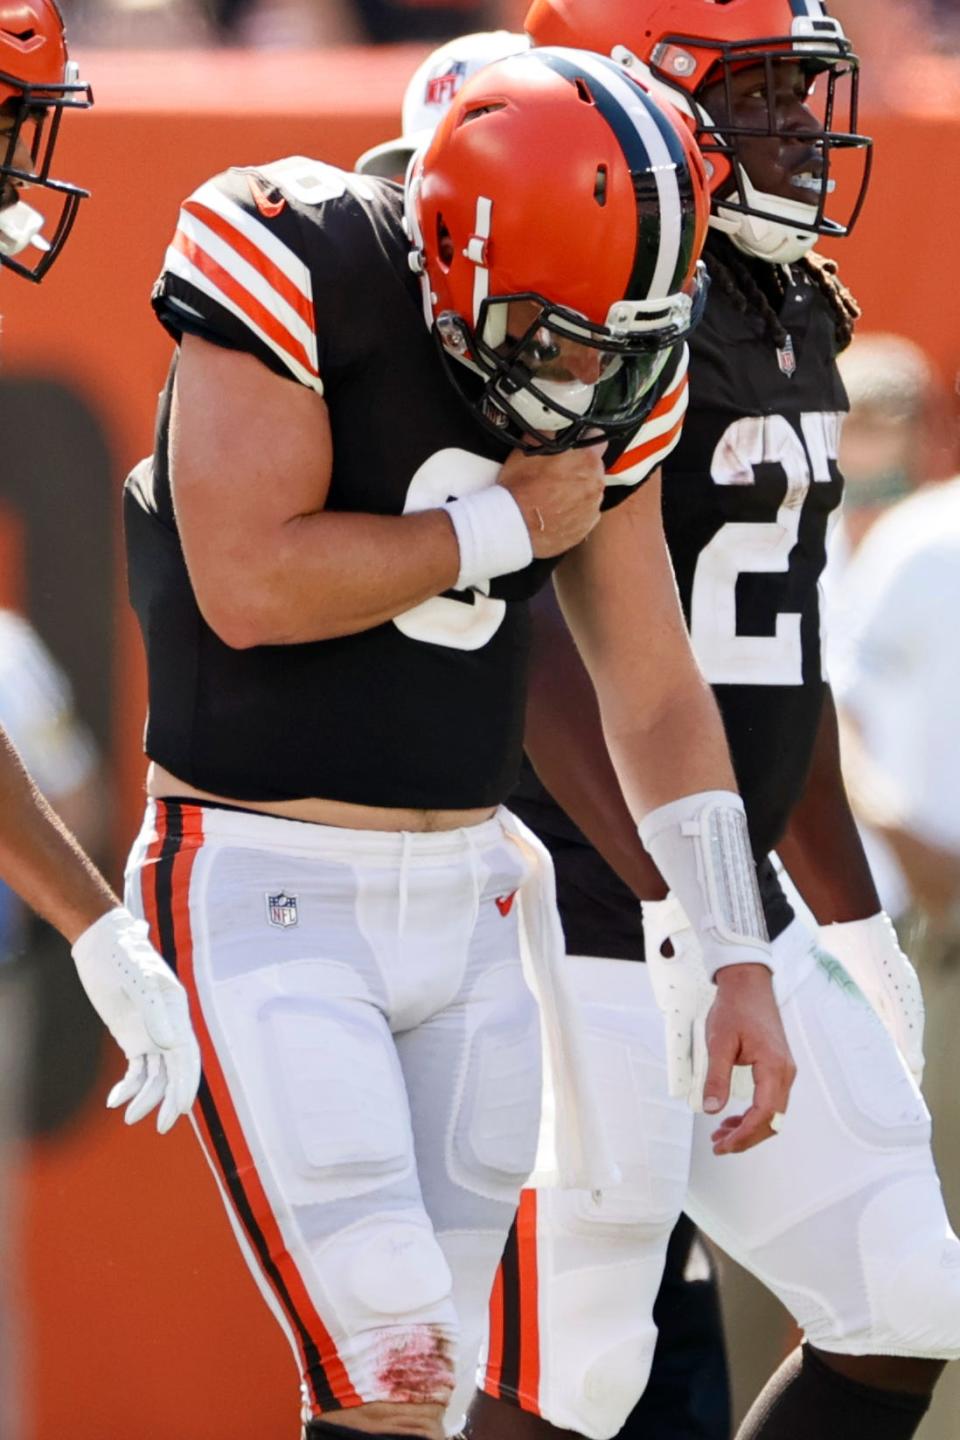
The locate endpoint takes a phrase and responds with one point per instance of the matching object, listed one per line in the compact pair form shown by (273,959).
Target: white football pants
(840,1215)
(371,1086)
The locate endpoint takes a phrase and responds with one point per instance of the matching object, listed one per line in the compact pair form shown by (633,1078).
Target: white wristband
(492,535)
(701,847)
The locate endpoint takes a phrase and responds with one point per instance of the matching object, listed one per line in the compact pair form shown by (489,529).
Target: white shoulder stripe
(683,365)
(670,408)
(176,263)
(661,423)
(251,279)
(664,168)
(666,423)
(647,465)
(273,248)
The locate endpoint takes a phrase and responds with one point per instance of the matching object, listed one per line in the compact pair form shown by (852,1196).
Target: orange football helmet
(37,83)
(557,218)
(679,47)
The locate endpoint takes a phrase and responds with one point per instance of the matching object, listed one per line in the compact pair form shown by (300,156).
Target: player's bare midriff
(162,785)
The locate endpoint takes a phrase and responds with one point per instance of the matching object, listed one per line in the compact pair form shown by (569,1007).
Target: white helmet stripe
(813,8)
(481,233)
(608,77)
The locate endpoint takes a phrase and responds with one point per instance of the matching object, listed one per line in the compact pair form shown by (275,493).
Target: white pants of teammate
(840,1215)
(371,1090)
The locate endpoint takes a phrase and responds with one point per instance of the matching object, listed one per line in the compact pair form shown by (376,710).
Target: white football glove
(870,953)
(683,992)
(144,1006)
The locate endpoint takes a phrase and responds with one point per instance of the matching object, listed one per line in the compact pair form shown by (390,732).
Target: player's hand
(558,495)
(744,1028)
(870,953)
(144,1006)
(685,994)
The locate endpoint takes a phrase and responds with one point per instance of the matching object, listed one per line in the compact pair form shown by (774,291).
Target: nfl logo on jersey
(787,358)
(282,910)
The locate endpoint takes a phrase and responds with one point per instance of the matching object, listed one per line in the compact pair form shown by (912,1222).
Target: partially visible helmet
(37,83)
(679,47)
(558,291)
(430,91)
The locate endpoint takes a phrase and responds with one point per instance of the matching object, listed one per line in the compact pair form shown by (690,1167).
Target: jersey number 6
(469,621)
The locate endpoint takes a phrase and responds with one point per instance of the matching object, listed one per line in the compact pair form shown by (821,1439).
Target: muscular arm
(40,860)
(563,721)
(822,850)
(251,463)
(666,741)
(618,594)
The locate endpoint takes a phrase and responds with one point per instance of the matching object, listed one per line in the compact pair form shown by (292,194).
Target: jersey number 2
(739,548)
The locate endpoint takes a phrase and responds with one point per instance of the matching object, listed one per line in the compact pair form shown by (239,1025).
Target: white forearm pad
(492,535)
(701,847)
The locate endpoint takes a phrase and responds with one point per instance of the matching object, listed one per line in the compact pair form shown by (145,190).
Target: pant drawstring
(404,882)
(474,873)
(403,879)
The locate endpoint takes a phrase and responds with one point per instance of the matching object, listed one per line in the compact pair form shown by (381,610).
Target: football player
(133,990)
(394,415)
(842,1218)
(688,1389)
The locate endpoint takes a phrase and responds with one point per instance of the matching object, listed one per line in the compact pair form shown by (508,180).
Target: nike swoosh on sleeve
(268,208)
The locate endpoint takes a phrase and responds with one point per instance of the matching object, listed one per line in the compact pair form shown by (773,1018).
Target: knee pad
(386,1286)
(594,1380)
(911,1259)
(598,1282)
(893,1287)
(614,1381)
(385,1269)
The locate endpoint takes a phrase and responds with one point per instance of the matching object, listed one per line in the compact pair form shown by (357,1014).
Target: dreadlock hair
(729,271)
(846,310)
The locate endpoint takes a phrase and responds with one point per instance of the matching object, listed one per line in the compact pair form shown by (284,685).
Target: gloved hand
(685,995)
(870,953)
(144,1006)
(683,992)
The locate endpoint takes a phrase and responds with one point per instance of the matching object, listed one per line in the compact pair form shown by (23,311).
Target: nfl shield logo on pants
(282,910)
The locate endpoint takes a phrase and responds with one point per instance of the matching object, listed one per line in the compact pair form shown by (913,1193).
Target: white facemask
(574,395)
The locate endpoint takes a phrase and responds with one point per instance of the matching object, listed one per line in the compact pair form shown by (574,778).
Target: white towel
(573,1150)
